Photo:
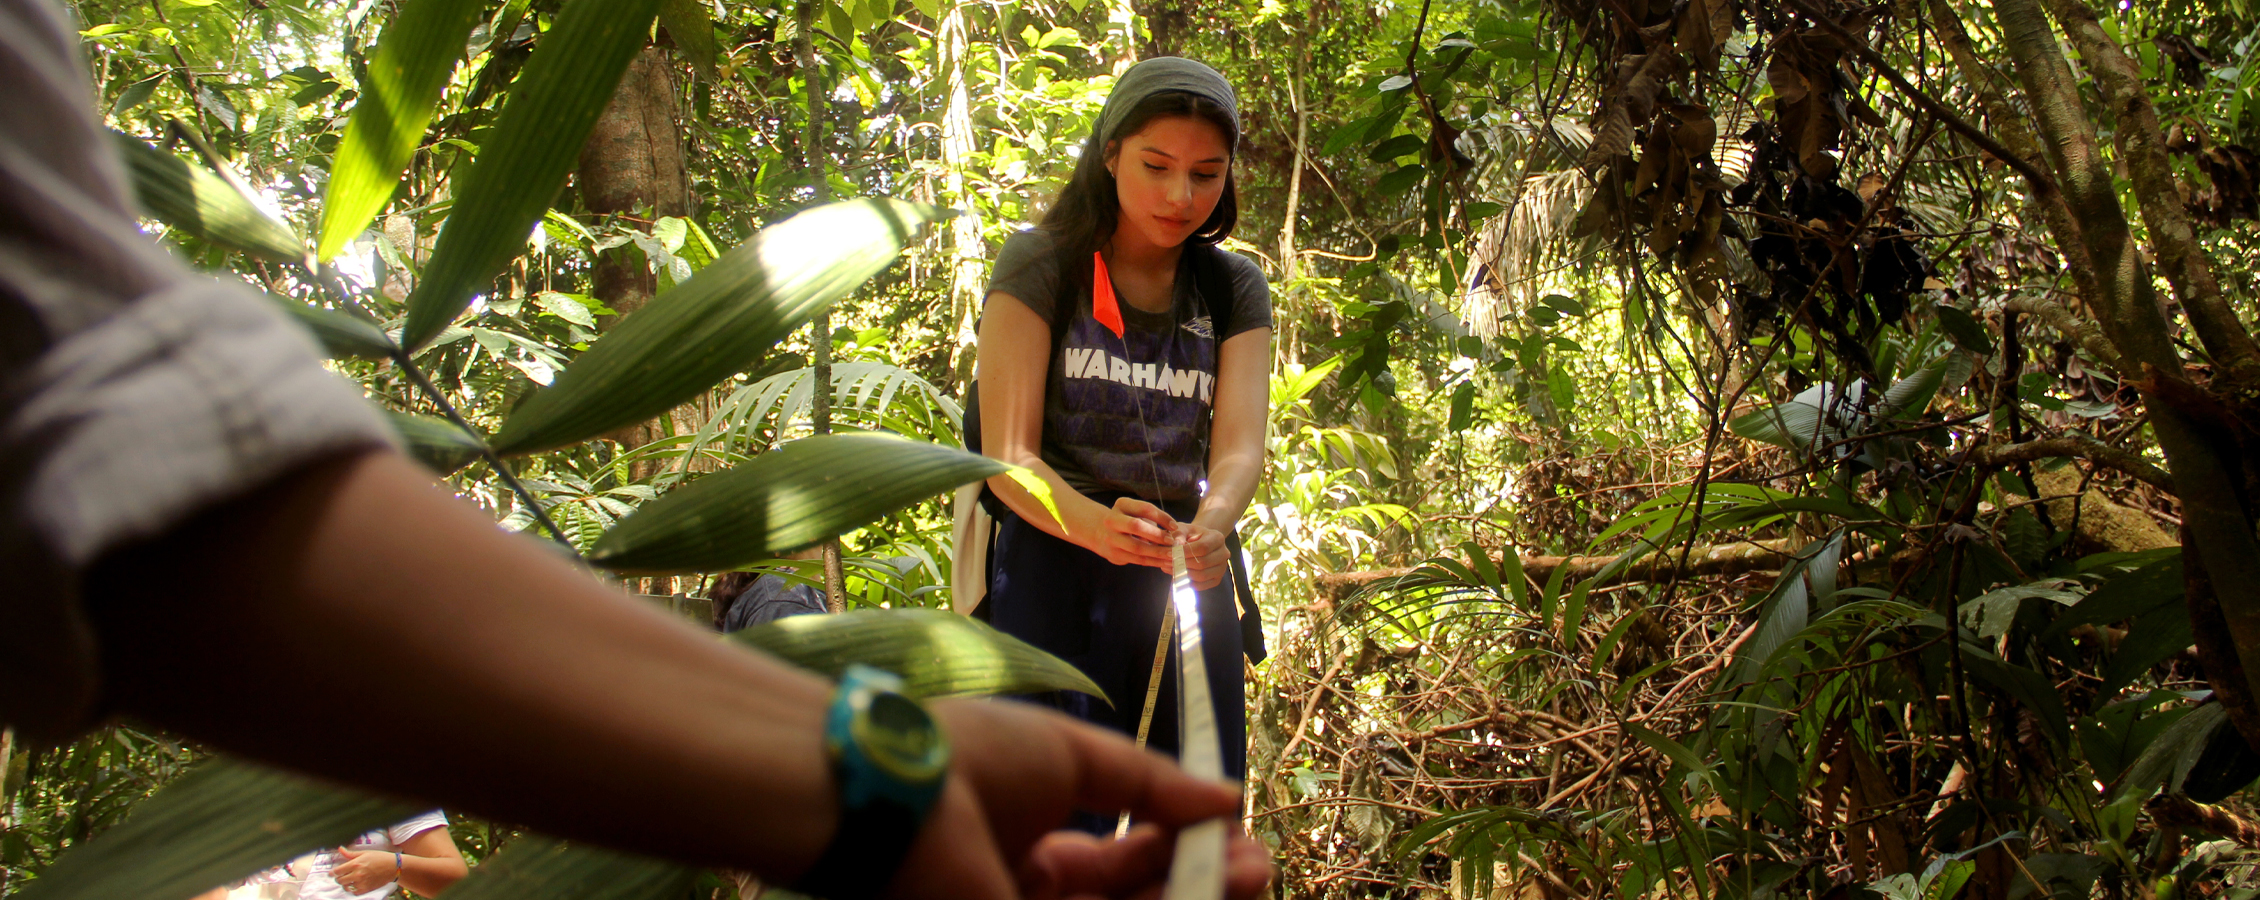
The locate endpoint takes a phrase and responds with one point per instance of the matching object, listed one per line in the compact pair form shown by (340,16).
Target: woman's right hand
(1135,533)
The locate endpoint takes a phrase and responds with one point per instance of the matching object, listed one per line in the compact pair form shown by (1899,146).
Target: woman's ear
(1113,153)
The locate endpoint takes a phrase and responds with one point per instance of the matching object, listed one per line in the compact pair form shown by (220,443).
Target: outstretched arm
(613,722)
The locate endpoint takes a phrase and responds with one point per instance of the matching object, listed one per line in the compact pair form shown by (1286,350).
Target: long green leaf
(783,500)
(536,140)
(405,78)
(342,334)
(541,867)
(937,653)
(221,822)
(691,24)
(197,200)
(437,443)
(2171,753)
(716,324)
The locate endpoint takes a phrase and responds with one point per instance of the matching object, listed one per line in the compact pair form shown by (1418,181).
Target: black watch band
(864,854)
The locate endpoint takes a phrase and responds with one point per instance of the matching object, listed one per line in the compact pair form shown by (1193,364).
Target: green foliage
(716,324)
(784,500)
(404,80)
(535,142)
(1548,325)
(200,202)
(225,820)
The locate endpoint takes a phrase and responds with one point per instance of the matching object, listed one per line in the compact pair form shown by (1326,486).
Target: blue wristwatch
(890,760)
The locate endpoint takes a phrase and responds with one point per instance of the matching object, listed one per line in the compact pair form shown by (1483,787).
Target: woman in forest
(1125,359)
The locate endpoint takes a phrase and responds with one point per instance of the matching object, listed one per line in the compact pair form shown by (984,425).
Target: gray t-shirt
(1129,414)
(133,392)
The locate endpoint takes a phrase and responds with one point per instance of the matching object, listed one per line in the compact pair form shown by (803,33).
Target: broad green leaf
(197,200)
(1792,425)
(221,822)
(544,867)
(2027,686)
(716,324)
(783,500)
(405,78)
(1965,330)
(342,334)
(691,24)
(1511,575)
(1991,614)
(437,443)
(1948,881)
(1910,396)
(2154,638)
(1808,581)
(536,140)
(135,95)
(2169,757)
(937,653)
(2130,595)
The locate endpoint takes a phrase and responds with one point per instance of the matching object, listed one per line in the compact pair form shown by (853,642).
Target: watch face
(898,735)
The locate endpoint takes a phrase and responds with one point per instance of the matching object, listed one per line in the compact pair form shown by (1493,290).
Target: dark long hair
(1082,218)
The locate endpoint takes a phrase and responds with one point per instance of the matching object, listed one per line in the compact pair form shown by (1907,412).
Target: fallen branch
(2174,809)
(2074,445)
(1716,559)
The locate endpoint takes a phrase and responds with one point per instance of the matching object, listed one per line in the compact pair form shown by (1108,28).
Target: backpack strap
(1213,277)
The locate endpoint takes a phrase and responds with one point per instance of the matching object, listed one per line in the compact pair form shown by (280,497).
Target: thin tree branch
(2042,183)
(2073,445)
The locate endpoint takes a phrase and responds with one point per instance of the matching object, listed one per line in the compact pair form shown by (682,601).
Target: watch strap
(885,787)
(864,854)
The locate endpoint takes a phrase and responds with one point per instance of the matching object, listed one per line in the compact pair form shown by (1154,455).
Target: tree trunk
(820,331)
(632,165)
(2143,146)
(2197,432)
(1289,264)
(968,251)
(1166,22)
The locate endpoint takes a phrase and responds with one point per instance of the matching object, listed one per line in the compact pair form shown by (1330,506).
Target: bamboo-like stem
(820,331)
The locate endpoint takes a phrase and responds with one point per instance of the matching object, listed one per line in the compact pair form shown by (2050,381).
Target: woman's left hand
(364,870)
(1207,559)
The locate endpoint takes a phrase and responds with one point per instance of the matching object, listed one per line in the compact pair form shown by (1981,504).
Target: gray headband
(1167,73)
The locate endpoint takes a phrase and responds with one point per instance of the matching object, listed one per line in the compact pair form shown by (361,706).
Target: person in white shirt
(418,854)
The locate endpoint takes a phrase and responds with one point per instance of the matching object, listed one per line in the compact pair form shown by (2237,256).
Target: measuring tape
(1196,872)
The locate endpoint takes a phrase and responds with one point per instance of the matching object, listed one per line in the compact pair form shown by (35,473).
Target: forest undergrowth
(1719,448)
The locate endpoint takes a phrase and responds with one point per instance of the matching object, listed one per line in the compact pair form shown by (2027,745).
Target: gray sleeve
(133,392)
(1026,270)
(1251,296)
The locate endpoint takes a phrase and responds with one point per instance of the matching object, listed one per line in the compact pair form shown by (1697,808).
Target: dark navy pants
(1104,619)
